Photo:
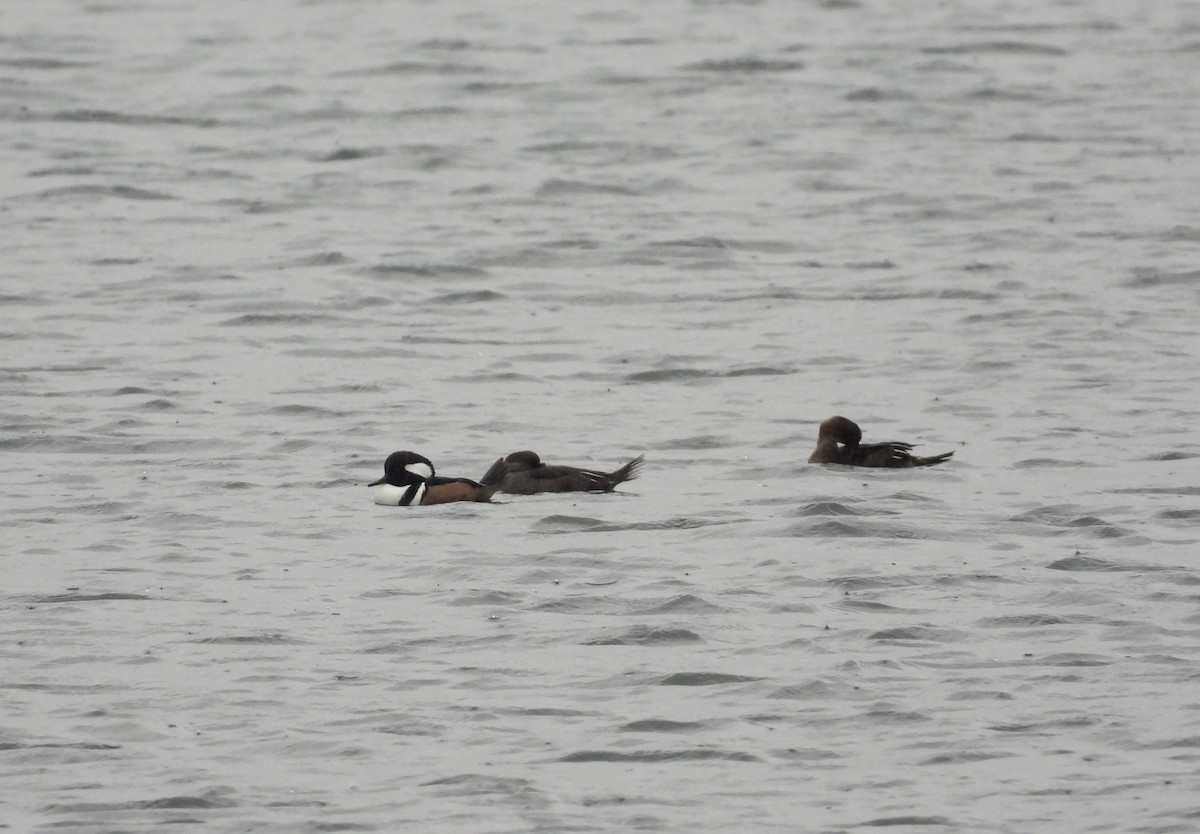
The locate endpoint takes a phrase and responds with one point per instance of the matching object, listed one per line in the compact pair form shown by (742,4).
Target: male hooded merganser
(408,479)
(524,473)
(892,455)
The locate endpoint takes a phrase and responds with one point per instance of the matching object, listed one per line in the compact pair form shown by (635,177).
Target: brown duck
(840,441)
(524,473)
(408,479)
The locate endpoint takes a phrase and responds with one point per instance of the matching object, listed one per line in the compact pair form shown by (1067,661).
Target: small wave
(1028,621)
(571,188)
(648,636)
(702,242)
(917,634)
(439,271)
(579,604)
(817,690)
(416,68)
(997,94)
(578,524)
(125,192)
(471,297)
(997,48)
(566,524)
(1033,137)
(1169,456)
(77,745)
(468,784)
(865,583)
(552,712)
(446,44)
(805,754)
(875,94)
(1179,514)
(348,154)
(268,639)
(1063,518)
(1090,563)
(702,754)
(42,63)
(76,597)
(492,377)
(1071,659)
(893,716)
(824,508)
(1186,742)
(487,598)
(704,679)
(117,118)
(684,603)
(744,65)
(1071,723)
(843,529)
(1050,463)
(1181,234)
(965,757)
(699,441)
(298,410)
(864,605)
(1181,490)
(1143,278)
(215,798)
(64,171)
(689,374)
(981,695)
(661,725)
(256,319)
(332,258)
(885,822)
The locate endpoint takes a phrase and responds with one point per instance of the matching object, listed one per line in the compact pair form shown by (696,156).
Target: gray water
(247,250)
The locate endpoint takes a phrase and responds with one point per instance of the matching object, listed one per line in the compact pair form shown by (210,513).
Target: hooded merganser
(524,473)
(891,455)
(408,479)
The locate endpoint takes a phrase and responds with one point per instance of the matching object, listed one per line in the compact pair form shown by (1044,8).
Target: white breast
(390,496)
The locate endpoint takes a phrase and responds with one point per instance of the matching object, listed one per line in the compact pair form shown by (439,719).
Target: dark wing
(892,454)
(565,479)
(495,473)
(440,481)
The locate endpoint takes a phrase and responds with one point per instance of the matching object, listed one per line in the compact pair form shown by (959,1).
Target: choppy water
(246,250)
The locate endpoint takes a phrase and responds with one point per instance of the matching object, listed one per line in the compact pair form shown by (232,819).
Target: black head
(405,469)
(523,461)
(841,430)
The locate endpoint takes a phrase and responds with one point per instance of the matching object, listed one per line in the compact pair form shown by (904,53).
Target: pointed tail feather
(626,473)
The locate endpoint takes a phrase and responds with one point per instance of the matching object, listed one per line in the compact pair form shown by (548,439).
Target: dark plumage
(524,473)
(840,441)
(408,478)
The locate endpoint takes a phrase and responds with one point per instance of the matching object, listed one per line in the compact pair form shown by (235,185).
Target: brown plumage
(525,474)
(447,490)
(839,440)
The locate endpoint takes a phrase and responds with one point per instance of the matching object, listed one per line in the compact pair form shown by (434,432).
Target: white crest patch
(421,487)
(420,469)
